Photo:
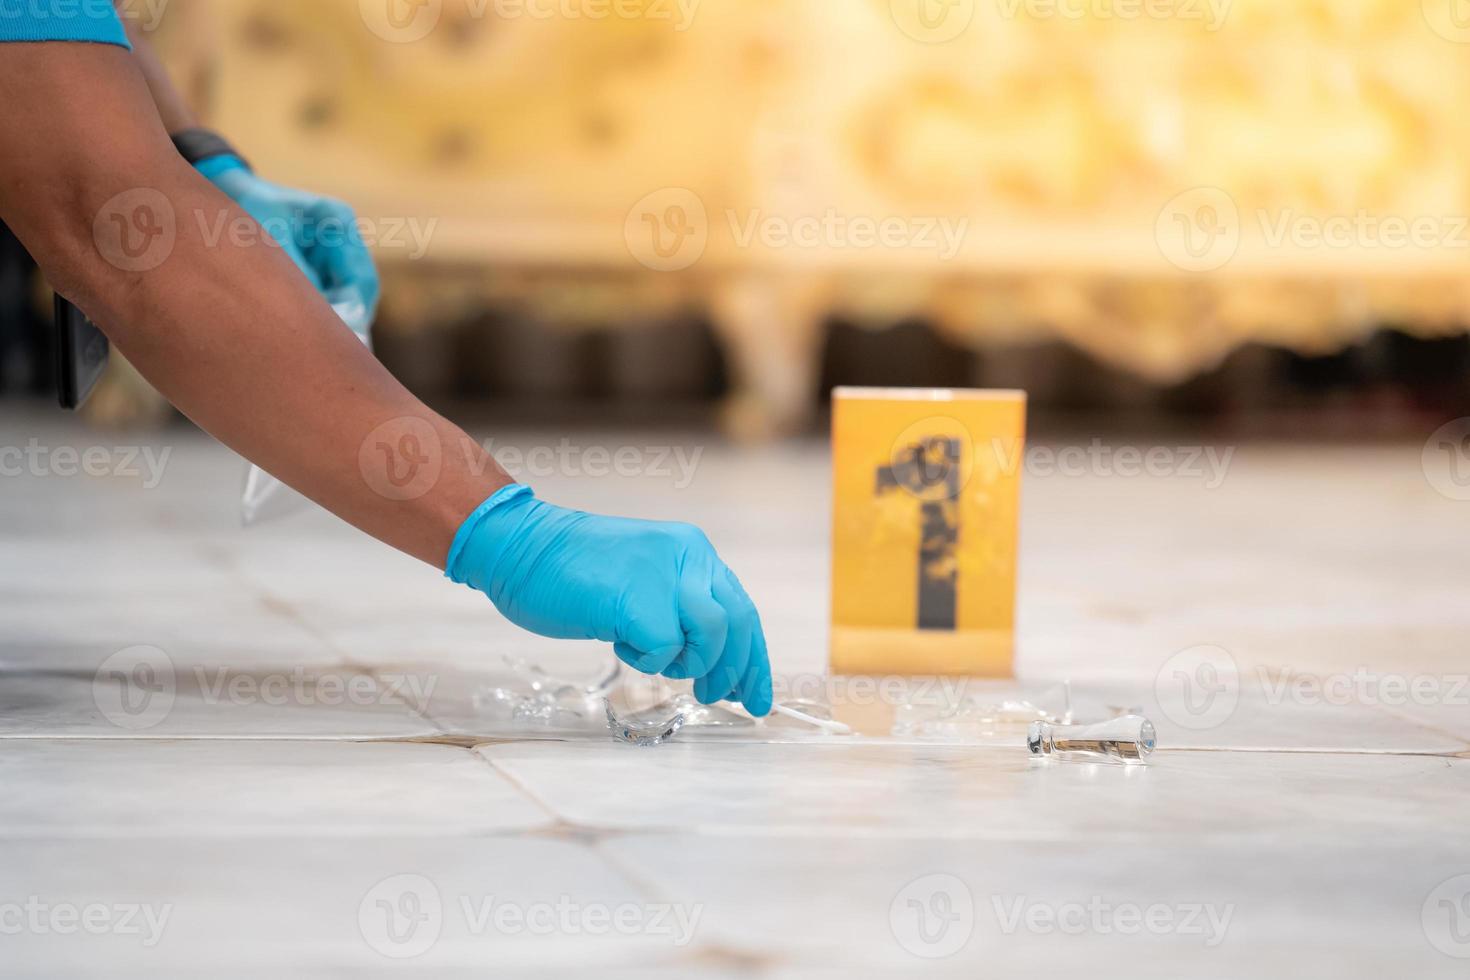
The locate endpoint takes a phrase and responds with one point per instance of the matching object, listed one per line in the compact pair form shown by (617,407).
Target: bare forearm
(224,325)
(237,339)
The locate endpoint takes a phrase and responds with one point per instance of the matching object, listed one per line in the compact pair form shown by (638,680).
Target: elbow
(98,239)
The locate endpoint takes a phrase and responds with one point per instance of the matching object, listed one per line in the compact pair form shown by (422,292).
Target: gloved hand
(320,234)
(657,592)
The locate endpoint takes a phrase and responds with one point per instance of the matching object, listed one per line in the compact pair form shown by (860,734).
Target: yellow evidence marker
(925,521)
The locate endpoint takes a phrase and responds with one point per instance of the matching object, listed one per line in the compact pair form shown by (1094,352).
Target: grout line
(473,742)
(1242,750)
(1422,724)
(1391,712)
(642,878)
(521,786)
(287,610)
(222,737)
(280,607)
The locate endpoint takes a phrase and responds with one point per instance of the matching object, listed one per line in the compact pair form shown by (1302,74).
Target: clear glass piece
(971,716)
(532,698)
(542,682)
(1128,739)
(650,726)
(704,716)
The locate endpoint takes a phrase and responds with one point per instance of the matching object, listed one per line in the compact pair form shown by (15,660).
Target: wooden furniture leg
(770,327)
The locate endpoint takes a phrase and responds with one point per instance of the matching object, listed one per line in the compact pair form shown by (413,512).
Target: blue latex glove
(657,592)
(319,233)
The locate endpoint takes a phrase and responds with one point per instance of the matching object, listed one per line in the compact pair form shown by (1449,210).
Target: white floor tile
(223,789)
(492,903)
(990,793)
(1328,838)
(1256,711)
(146,692)
(1164,908)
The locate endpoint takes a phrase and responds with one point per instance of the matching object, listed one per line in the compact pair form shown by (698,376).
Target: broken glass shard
(1127,739)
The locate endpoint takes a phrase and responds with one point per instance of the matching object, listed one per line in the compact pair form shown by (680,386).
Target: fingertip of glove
(758,709)
(758,704)
(713,689)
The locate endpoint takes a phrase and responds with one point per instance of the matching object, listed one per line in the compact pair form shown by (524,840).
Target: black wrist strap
(198,145)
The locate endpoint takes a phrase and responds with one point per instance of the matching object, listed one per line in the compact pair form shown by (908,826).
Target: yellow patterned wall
(1141,177)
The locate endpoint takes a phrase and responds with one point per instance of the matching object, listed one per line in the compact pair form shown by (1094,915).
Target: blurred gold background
(1152,182)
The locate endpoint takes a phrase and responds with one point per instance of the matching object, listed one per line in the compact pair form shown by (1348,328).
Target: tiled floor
(237,752)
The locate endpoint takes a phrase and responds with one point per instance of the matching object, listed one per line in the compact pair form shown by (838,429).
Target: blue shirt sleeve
(61,20)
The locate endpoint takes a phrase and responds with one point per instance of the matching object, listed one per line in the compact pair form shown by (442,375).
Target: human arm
(240,342)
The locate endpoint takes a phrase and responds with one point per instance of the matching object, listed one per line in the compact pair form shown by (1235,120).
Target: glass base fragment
(1129,739)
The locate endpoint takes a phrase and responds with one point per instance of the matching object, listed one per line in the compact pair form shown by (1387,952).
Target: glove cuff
(466,533)
(216,167)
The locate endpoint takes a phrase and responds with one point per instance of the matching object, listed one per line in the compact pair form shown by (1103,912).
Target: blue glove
(657,592)
(320,234)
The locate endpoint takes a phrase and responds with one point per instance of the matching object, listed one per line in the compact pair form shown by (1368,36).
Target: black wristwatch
(198,144)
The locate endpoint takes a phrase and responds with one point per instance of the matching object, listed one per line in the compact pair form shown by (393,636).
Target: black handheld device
(81,355)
